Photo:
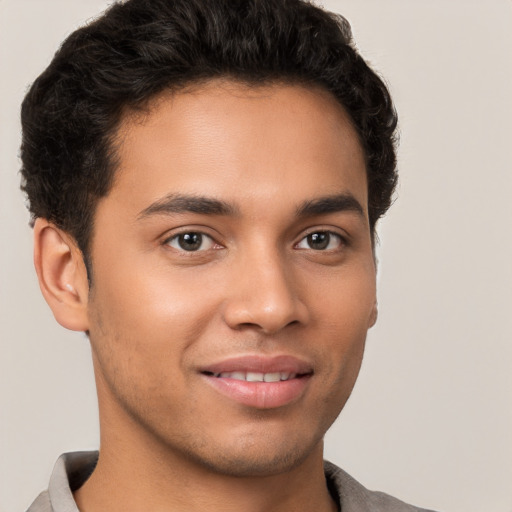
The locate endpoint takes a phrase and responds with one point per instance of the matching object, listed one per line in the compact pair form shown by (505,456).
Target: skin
(158,314)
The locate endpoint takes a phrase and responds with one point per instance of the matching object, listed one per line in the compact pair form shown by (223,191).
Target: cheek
(344,315)
(344,303)
(153,303)
(144,324)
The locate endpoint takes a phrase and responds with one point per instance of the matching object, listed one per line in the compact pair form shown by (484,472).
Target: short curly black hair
(139,48)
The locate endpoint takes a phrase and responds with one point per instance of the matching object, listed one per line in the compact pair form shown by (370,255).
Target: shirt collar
(70,472)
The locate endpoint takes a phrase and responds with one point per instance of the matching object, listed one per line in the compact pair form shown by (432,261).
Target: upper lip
(261,364)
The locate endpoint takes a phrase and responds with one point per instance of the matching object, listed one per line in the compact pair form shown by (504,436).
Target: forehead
(239,142)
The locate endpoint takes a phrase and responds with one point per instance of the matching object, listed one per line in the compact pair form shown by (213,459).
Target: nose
(264,294)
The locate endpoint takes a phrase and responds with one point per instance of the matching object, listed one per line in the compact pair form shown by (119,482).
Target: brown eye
(191,242)
(321,241)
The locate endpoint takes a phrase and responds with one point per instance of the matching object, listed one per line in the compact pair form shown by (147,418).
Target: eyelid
(343,238)
(335,230)
(205,239)
(201,230)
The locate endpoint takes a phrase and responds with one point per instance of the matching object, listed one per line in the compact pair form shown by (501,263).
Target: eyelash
(342,241)
(203,237)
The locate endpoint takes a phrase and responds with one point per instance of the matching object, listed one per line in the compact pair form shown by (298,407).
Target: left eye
(191,242)
(321,241)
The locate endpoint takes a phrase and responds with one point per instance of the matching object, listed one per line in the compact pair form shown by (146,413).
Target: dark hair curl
(139,48)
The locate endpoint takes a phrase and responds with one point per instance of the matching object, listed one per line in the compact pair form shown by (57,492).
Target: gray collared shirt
(73,469)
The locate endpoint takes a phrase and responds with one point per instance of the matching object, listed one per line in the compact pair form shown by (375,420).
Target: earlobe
(62,276)
(373,315)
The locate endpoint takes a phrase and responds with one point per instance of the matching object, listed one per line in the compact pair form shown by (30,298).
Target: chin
(260,457)
(253,466)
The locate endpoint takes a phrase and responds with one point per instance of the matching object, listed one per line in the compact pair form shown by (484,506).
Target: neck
(136,474)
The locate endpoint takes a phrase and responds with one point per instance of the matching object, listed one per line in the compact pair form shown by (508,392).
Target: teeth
(257,376)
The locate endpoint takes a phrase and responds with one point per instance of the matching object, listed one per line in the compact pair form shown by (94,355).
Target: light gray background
(430,419)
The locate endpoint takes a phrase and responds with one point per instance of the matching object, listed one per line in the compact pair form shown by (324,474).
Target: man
(205,178)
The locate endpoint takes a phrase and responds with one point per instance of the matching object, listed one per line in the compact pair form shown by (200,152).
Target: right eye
(191,241)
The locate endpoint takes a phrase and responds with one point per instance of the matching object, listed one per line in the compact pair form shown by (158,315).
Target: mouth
(256,376)
(260,382)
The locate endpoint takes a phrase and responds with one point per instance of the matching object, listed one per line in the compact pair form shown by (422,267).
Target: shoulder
(41,503)
(354,497)
(70,471)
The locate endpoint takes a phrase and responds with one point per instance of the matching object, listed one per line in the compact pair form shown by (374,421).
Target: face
(234,280)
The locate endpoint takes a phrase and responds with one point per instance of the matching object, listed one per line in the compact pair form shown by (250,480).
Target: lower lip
(260,395)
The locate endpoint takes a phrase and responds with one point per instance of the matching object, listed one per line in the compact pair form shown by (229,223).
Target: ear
(374,313)
(62,275)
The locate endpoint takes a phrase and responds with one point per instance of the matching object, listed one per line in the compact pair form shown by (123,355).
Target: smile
(258,381)
(257,376)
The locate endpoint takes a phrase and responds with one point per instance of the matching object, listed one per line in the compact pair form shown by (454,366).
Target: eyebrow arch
(330,204)
(179,203)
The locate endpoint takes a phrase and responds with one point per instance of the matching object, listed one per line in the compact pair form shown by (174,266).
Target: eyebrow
(330,204)
(178,203)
